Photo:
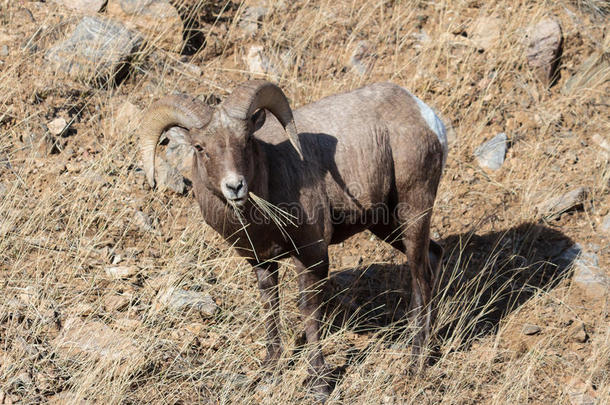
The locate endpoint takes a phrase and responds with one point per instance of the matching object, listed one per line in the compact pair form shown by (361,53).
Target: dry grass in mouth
(95,268)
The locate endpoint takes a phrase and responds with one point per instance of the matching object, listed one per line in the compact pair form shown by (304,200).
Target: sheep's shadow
(484,278)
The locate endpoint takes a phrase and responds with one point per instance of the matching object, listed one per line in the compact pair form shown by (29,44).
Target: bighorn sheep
(368,159)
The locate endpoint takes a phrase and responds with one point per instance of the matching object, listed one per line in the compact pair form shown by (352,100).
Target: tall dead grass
(65,216)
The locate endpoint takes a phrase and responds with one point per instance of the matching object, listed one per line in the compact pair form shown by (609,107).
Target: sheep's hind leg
(391,234)
(267,276)
(424,262)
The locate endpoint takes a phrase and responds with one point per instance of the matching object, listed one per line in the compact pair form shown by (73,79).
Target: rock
(28,296)
(87,6)
(258,62)
(84,309)
(114,302)
(57,126)
(97,51)
(158,20)
(143,221)
(530,329)
(93,339)
(169,177)
(485,31)
(118,272)
(544,42)
(179,152)
(579,392)
(363,58)
(22,17)
(128,323)
(21,381)
(116,259)
(127,119)
(351,261)
(3,190)
(251,18)
(421,39)
(605,226)
(593,72)
(189,69)
(589,276)
(40,142)
(4,50)
(177,299)
(578,333)
(601,141)
(66,397)
(490,155)
(569,201)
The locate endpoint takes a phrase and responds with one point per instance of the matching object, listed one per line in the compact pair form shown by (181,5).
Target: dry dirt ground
(89,254)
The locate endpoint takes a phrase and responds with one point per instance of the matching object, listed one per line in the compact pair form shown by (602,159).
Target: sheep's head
(226,156)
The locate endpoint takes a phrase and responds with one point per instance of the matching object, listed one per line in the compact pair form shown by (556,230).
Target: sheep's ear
(258,119)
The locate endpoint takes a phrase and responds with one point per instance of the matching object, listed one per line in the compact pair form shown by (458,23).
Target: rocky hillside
(114,293)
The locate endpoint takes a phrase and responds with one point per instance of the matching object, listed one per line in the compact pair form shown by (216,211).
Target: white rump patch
(435,124)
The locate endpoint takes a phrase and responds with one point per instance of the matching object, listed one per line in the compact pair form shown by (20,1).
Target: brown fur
(365,149)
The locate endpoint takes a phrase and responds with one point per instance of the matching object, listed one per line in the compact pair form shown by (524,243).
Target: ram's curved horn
(170,111)
(254,94)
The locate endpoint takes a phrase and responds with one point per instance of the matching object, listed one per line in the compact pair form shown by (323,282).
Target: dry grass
(66,215)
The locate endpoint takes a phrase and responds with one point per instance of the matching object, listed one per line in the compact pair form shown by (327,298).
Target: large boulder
(99,50)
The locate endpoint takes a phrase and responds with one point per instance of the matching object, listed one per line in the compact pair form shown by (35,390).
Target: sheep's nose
(234,188)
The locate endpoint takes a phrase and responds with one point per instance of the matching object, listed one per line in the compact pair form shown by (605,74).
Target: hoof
(319,388)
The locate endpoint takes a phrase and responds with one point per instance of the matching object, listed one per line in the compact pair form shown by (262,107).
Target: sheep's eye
(198,148)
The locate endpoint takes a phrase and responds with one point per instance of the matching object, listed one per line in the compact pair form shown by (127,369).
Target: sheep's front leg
(312,271)
(267,276)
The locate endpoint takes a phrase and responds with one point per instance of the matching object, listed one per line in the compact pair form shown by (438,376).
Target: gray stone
(258,61)
(490,155)
(578,333)
(152,8)
(605,227)
(530,329)
(556,206)
(589,276)
(126,120)
(178,299)
(363,58)
(351,260)
(87,6)
(117,302)
(143,221)
(189,69)
(544,47)
(118,272)
(93,339)
(485,31)
(251,17)
(600,140)
(116,259)
(57,126)
(98,50)
(579,392)
(4,50)
(40,142)
(3,190)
